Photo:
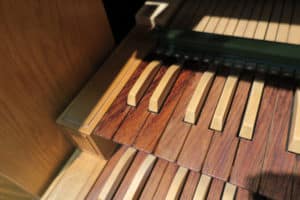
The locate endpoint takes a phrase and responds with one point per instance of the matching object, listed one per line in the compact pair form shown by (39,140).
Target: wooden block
(116,175)
(229,192)
(197,143)
(135,177)
(176,130)
(202,188)
(76,177)
(278,164)
(133,122)
(163,88)
(177,184)
(165,182)
(215,190)
(190,186)
(294,139)
(248,123)
(221,153)
(154,180)
(251,153)
(142,83)
(197,101)
(156,123)
(114,116)
(224,103)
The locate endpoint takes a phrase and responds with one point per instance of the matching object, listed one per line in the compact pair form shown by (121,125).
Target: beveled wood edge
(50,193)
(139,44)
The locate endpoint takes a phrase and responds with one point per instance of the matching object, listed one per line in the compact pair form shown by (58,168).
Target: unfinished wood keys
(252,108)
(197,100)
(229,192)
(294,139)
(177,184)
(225,102)
(143,82)
(202,188)
(163,88)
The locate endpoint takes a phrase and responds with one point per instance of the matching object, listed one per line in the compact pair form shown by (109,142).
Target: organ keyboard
(209,114)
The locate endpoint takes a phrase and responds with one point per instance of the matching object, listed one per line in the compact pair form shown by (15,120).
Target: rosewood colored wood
(154,180)
(215,190)
(243,194)
(190,186)
(223,147)
(156,123)
(112,119)
(165,182)
(136,117)
(176,130)
(296,180)
(278,163)
(197,143)
(249,159)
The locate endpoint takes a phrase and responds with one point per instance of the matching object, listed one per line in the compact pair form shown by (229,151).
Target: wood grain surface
(190,186)
(215,190)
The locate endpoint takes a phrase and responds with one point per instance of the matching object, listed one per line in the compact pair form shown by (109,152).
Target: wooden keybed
(231,120)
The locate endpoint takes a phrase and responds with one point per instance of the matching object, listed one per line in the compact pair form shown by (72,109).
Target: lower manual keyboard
(131,174)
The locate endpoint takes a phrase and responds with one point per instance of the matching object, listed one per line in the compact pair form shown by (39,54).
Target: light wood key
(202,188)
(177,184)
(143,82)
(229,192)
(225,101)
(294,140)
(252,108)
(163,88)
(199,96)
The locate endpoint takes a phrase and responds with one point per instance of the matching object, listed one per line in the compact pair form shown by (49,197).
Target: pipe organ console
(212,110)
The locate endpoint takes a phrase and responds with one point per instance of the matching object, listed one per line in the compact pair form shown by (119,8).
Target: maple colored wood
(294,136)
(176,130)
(222,149)
(251,153)
(197,143)
(165,182)
(154,180)
(229,192)
(215,190)
(215,16)
(190,186)
(295,27)
(140,86)
(163,88)
(112,119)
(274,21)
(202,23)
(202,187)
(156,123)
(177,184)
(278,163)
(284,26)
(133,122)
(223,22)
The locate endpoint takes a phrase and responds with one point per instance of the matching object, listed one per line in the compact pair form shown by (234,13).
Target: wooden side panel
(48,51)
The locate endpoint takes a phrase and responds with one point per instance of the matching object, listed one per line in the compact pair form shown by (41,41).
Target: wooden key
(112,119)
(229,192)
(215,190)
(244,195)
(156,123)
(163,88)
(263,23)
(197,143)
(229,12)
(165,182)
(215,17)
(190,186)
(223,146)
(142,83)
(294,139)
(253,21)
(294,33)
(196,103)
(202,187)
(116,175)
(175,133)
(224,103)
(274,21)
(252,108)
(140,177)
(201,25)
(154,180)
(278,163)
(177,184)
(135,118)
(284,26)
(251,153)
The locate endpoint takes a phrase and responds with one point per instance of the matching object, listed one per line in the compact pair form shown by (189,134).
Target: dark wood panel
(112,119)
(250,155)
(136,117)
(156,123)
(223,147)
(176,130)
(197,143)
(190,186)
(278,163)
